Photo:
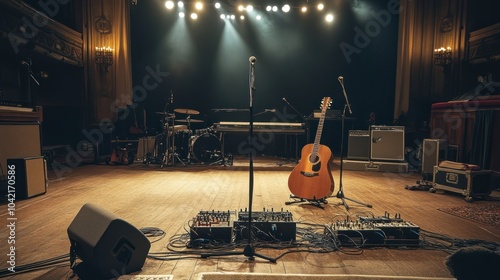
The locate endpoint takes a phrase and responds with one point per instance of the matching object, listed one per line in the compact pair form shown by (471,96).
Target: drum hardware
(170,156)
(205,148)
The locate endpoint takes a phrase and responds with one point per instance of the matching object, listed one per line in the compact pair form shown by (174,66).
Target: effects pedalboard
(376,231)
(226,226)
(218,226)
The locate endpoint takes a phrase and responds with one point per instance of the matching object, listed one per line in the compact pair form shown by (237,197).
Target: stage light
(198,6)
(217,5)
(233,16)
(258,17)
(329,18)
(304,9)
(321,7)
(228,16)
(181,15)
(194,16)
(275,8)
(180,4)
(169,5)
(285,8)
(269,8)
(223,16)
(242,17)
(249,8)
(241,8)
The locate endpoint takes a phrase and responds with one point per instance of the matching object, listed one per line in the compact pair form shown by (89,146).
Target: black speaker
(387,143)
(358,146)
(107,245)
(30,176)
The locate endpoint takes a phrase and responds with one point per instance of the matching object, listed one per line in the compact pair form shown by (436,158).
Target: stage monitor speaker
(433,151)
(387,143)
(358,145)
(107,245)
(30,176)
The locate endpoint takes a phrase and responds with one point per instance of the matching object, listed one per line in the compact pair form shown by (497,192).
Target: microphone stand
(340,193)
(249,250)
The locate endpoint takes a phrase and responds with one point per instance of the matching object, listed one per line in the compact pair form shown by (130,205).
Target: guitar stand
(314,202)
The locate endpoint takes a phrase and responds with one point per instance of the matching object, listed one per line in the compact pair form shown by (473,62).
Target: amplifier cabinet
(30,176)
(434,150)
(466,182)
(358,145)
(387,143)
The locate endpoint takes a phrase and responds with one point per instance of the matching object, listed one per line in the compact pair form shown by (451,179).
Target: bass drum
(205,148)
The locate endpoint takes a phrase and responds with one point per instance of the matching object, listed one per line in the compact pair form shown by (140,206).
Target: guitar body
(312,180)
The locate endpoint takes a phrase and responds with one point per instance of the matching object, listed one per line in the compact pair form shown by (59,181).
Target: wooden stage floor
(168,198)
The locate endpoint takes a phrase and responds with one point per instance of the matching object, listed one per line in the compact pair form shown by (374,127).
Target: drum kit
(177,142)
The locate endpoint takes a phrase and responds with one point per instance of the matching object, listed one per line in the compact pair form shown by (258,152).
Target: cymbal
(190,120)
(186,111)
(164,113)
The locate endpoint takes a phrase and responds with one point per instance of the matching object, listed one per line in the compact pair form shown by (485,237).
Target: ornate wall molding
(23,26)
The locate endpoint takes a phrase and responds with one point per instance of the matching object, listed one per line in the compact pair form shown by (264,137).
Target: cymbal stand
(171,154)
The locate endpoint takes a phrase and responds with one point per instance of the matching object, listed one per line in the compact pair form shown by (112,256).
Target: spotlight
(241,8)
(222,16)
(242,17)
(304,9)
(275,8)
(217,5)
(329,18)
(269,8)
(194,16)
(169,5)
(198,6)
(321,7)
(180,4)
(285,8)
(228,16)
(181,15)
(249,8)
(233,16)
(258,17)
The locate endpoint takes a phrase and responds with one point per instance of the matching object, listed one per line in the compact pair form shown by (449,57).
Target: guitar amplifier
(387,143)
(30,176)
(358,145)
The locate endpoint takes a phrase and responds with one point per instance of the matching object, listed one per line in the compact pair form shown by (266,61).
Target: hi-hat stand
(249,250)
(340,193)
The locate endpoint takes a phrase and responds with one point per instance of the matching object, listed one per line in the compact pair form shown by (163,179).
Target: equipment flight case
(470,183)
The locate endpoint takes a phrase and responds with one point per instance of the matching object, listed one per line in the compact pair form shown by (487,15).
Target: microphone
(171,97)
(341,79)
(284,99)
(252,59)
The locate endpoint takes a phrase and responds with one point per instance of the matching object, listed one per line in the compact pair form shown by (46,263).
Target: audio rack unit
(267,225)
(211,226)
(376,231)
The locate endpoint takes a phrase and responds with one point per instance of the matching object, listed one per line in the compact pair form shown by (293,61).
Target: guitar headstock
(326,102)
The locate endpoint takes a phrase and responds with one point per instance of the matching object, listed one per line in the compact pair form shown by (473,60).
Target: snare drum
(205,148)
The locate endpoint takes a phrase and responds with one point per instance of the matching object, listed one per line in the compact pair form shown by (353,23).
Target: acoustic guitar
(312,178)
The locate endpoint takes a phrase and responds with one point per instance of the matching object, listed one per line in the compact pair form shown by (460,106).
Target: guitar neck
(317,139)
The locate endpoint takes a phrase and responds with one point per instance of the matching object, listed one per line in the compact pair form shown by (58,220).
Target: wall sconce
(442,56)
(104,57)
